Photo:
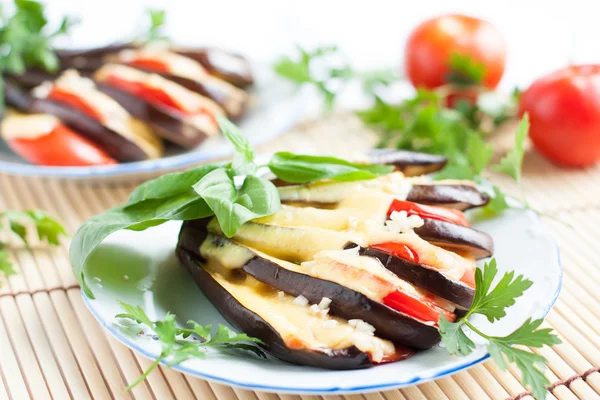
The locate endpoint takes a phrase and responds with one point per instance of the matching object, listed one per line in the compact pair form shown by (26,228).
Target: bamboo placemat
(52,348)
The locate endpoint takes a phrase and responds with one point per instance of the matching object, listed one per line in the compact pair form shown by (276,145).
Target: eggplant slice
(252,324)
(459,197)
(423,276)
(165,123)
(115,145)
(410,163)
(456,238)
(346,303)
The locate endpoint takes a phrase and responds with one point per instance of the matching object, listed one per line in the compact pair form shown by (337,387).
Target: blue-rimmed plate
(141,268)
(275,107)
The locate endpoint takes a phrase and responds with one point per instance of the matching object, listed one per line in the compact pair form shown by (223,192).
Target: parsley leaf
(464,70)
(300,168)
(157,22)
(512,162)
(6,267)
(176,344)
(497,202)
(492,302)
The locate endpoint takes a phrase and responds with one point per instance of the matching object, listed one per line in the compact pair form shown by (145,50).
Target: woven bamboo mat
(52,348)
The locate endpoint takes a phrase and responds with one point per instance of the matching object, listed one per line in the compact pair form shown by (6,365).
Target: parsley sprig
(47,228)
(492,303)
(181,344)
(26,41)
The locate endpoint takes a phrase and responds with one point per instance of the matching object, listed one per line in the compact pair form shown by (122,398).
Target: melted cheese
(28,127)
(334,192)
(298,327)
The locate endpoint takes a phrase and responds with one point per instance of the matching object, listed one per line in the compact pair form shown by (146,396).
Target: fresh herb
(327,69)
(181,344)
(464,70)
(492,303)
(26,42)
(232,192)
(47,228)
(157,23)
(297,168)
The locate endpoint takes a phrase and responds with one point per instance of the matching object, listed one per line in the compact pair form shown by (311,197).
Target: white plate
(275,107)
(156,281)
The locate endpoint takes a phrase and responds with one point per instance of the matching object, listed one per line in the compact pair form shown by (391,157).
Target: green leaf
(6,267)
(256,198)
(135,313)
(454,338)
(497,203)
(531,366)
(492,303)
(528,334)
(298,168)
(244,155)
(157,22)
(48,228)
(139,216)
(479,152)
(512,162)
(464,70)
(169,185)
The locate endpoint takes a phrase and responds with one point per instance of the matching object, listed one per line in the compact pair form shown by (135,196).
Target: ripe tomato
(61,147)
(431,44)
(564,115)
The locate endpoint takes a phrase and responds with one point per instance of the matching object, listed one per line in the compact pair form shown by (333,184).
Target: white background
(541,35)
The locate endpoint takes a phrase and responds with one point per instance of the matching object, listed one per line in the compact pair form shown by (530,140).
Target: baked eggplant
(449,194)
(460,239)
(345,302)
(164,122)
(189,74)
(458,196)
(195,109)
(241,306)
(113,143)
(410,163)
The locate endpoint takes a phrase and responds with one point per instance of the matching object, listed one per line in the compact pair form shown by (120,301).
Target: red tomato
(74,101)
(431,44)
(431,212)
(149,63)
(414,307)
(397,250)
(564,115)
(61,147)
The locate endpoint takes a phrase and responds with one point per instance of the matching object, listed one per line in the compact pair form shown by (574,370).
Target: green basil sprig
(233,192)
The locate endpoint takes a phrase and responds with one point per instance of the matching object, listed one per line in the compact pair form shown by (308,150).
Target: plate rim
(333,389)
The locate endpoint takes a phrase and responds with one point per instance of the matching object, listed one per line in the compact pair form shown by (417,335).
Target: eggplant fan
(347,274)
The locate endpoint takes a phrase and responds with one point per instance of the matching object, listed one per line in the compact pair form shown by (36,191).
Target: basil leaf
(140,216)
(298,168)
(256,198)
(244,155)
(169,185)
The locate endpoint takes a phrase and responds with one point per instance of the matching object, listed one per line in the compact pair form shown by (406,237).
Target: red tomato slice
(152,95)
(74,101)
(414,307)
(150,64)
(61,147)
(431,212)
(398,250)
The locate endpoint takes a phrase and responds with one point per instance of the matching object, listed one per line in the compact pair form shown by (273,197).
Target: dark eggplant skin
(114,144)
(410,163)
(226,65)
(32,77)
(459,197)
(456,238)
(163,122)
(424,277)
(347,303)
(252,324)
